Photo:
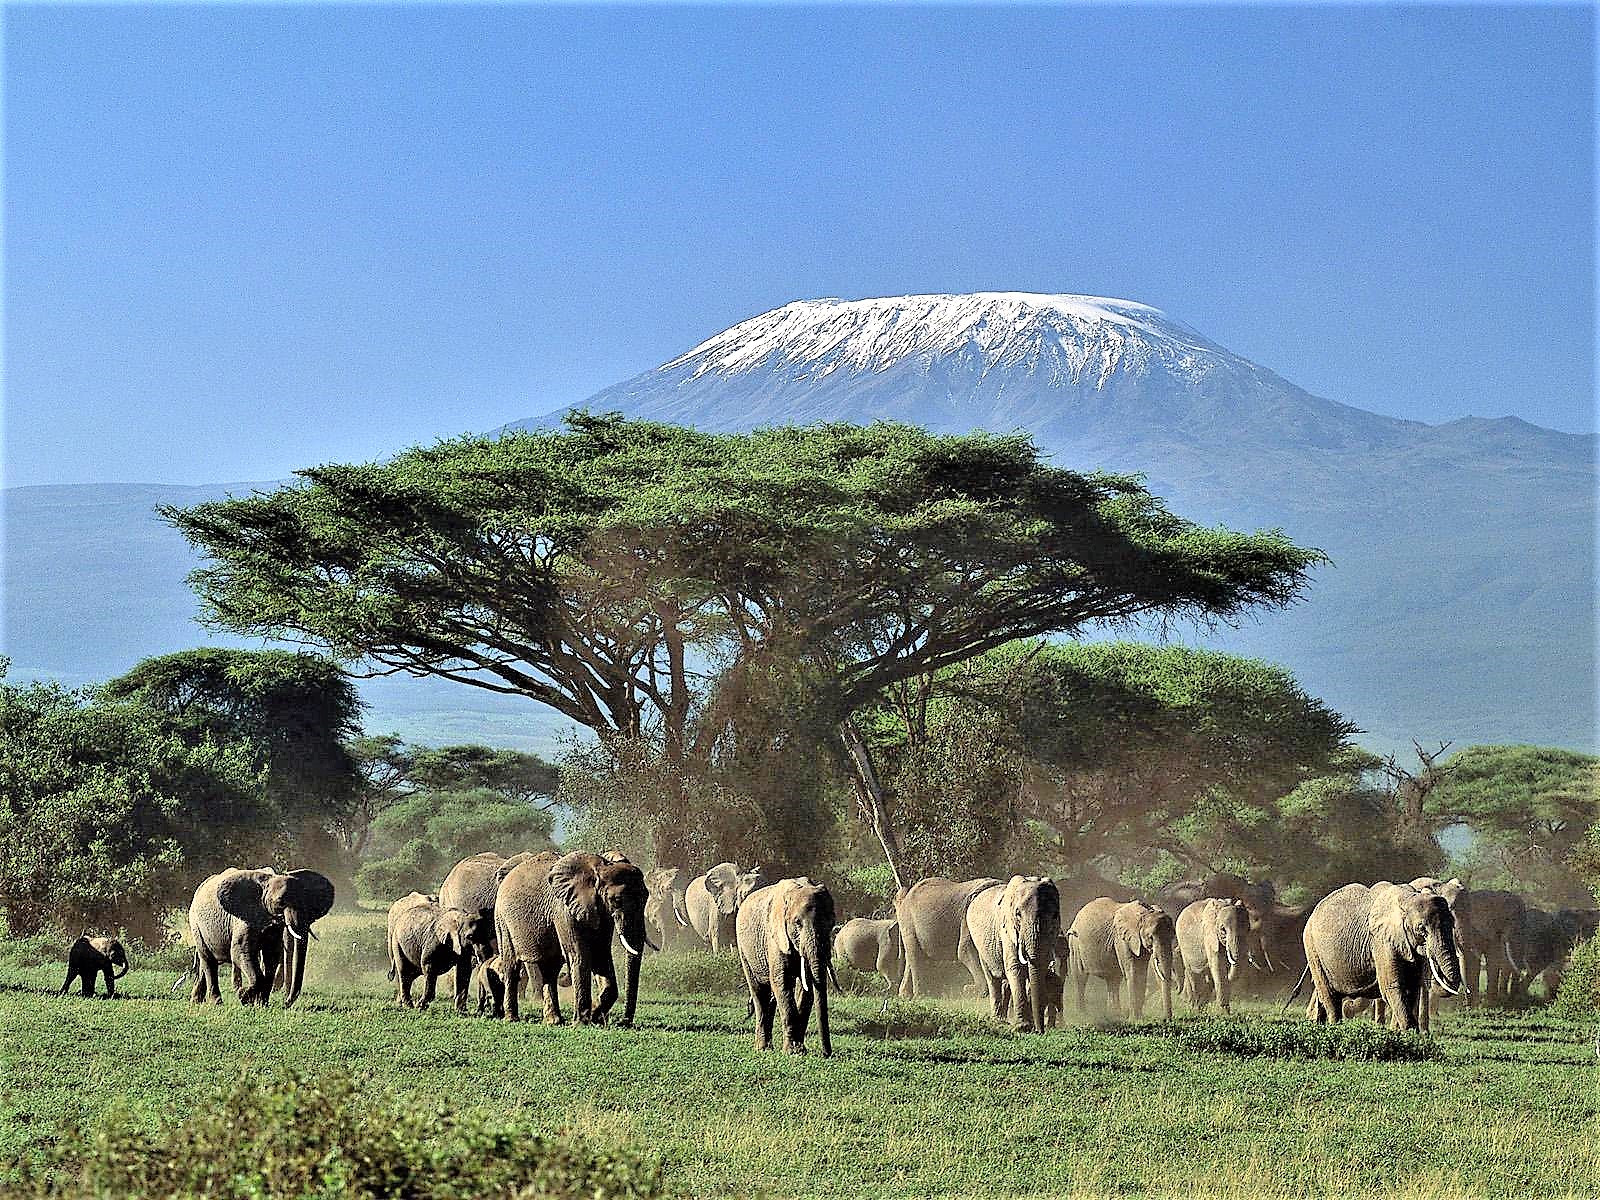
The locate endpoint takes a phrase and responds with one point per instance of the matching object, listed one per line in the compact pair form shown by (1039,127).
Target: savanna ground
(926,1100)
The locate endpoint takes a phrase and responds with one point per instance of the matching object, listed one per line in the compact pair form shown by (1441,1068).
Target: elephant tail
(1298,984)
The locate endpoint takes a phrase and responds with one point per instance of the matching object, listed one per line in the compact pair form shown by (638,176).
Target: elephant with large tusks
(428,940)
(1489,923)
(785,938)
(1213,938)
(256,920)
(1382,942)
(873,945)
(90,958)
(932,914)
(565,912)
(1014,930)
(667,912)
(711,902)
(1122,943)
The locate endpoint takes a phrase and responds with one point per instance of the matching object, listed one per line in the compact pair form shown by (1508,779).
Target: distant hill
(1460,604)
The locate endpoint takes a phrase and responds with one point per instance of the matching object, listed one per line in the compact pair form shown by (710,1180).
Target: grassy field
(925,1101)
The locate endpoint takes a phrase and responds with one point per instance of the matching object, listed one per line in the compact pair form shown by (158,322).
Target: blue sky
(243,240)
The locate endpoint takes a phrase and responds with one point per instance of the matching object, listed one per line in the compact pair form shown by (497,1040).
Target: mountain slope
(1459,603)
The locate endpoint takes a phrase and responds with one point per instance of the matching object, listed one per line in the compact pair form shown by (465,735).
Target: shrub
(695,973)
(1579,995)
(1359,1041)
(925,1019)
(305,1136)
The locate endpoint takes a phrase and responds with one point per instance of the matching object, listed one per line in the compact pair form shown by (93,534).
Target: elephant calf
(90,957)
(427,939)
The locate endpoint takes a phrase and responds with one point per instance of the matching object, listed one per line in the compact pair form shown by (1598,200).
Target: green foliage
(517,776)
(296,710)
(1530,810)
(1355,1041)
(331,1135)
(417,841)
(593,568)
(107,815)
(1038,754)
(1578,998)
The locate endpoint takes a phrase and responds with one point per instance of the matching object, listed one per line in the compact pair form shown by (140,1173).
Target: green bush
(313,1137)
(693,973)
(1579,996)
(926,1019)
(1359,1041)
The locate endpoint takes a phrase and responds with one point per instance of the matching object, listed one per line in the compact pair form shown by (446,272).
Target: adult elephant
(1014,930)
(473,883)
(1546,940)
(1381,943)
(427,939)
(1490,923)
(1213,937)
(1282,940)
(932,914)
(565,912)
(667,912)
(711,902)
(785,937)
(256,920)
(874,946)
(1121,943)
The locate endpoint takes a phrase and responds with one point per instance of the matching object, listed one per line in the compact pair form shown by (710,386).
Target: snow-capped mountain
(1463,574)
(1458,606)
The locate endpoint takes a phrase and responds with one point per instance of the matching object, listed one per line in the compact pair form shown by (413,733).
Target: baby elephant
(95,956)
(428,939)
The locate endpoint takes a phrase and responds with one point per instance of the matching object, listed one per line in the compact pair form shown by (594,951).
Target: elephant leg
(1198,986)
(1331,1006)
(997,997)
(86,982)
(111,982)
(548,978)
(1395,1011)
(430,985)
(583,993)
(514,968)
(766,1010)
(607,998)
(967,956)
(911,980)
(801,1020)
(246,971)
(783,993)
(1114,997)
(1219,980)
(1082,981)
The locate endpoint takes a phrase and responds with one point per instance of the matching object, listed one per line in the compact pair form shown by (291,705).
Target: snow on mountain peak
(1077,339)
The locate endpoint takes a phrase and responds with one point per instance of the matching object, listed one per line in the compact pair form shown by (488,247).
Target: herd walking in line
(536,922)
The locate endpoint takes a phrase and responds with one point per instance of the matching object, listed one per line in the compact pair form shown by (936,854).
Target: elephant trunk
(1162,961)
(816,962)
(1444,961)
(119,974)
(631,929)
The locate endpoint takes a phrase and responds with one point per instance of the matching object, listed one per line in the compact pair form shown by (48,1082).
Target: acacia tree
(612,569)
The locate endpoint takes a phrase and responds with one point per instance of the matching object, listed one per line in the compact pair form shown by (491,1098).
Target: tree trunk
(866,779)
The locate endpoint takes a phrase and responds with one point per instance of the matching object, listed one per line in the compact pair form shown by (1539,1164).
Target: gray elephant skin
(933,925)
(667,911)
(473,884)
(1490,924)
(1212,939)
(1382,942)
(428,940)
(785,939)
(712,902)
(90,957)
(1121,944)
(873,946)
(566,912)
(257,921)
(1014,930)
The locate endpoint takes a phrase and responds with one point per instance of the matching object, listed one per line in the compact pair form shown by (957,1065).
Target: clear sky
(244,240)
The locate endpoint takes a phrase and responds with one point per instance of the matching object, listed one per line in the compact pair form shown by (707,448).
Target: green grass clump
(1348,1041)
(925,1019)
(323,1136)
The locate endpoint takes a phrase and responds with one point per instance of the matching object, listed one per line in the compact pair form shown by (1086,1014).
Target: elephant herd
(538,921)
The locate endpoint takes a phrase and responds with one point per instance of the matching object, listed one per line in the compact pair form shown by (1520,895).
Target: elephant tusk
(681,921)
(651,944)
(805,980)
(313,934)
(1439,979)
(627,945)
(1232,960)
(297,936)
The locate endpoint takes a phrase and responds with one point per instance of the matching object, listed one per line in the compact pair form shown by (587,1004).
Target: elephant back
(525,911)
(1091,941)
(474,882)
(933,912)
(859,940)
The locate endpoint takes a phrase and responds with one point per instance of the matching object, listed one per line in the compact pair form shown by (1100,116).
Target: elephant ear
(240,896)
(575,882)
(1386,920)
(313,893)
(778,917)
(722,878)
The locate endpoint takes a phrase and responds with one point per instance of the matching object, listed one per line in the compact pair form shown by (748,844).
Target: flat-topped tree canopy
(610,567)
